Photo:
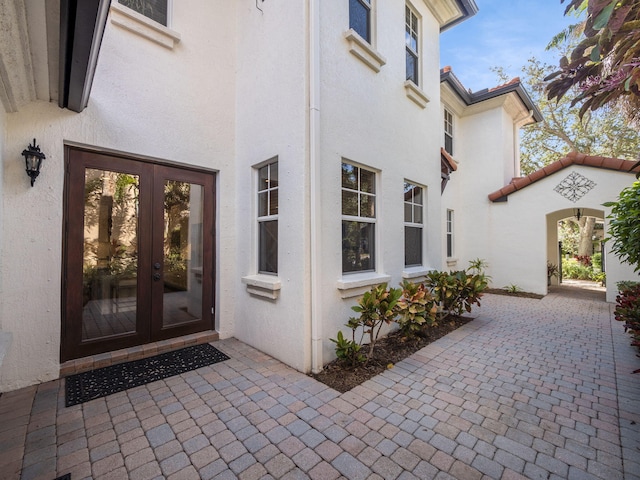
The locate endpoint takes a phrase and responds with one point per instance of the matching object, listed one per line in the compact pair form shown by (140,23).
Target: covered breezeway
(524,218)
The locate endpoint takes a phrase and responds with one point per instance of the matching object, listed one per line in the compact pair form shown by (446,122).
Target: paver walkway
(531,389)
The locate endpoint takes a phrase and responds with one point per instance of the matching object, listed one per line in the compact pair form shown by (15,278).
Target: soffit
(451,12)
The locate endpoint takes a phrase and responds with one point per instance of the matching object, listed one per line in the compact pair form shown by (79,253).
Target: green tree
(562,130)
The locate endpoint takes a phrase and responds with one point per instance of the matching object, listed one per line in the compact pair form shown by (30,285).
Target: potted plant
(552,271)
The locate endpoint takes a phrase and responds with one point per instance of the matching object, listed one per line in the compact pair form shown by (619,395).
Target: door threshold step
(100,360)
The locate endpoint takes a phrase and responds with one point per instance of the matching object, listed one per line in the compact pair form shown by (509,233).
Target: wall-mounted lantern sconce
(577,213)
(33,158)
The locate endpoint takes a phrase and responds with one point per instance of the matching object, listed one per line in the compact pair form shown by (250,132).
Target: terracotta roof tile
(452,163)
(573,158)
(510,82)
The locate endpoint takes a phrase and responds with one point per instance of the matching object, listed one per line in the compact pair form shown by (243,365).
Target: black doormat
(86,386)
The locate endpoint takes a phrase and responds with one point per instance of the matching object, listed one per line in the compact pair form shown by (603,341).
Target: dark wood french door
(138,253)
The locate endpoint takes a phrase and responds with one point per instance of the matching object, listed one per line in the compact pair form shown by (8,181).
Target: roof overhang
(573,158)
(512,96)
(49,51)
(82,24)
(451,12)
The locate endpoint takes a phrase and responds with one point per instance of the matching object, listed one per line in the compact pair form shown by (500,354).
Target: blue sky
(504,33)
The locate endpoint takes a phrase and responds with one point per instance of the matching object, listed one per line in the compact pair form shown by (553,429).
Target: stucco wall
(272,85)
(175,105)
(368,119)
(522,247)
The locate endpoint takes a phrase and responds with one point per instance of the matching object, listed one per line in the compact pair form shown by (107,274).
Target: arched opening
(575,241)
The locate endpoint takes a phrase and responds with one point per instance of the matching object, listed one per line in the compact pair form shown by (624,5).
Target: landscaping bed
(389,350)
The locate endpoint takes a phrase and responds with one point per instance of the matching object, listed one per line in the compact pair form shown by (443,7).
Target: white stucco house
(246,169)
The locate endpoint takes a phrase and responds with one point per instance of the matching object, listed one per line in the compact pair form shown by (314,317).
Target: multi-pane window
(156,10)
(411,40)
(268,218)
(413,214)
(360,18)
(448,131)
(450,250)
(358,218)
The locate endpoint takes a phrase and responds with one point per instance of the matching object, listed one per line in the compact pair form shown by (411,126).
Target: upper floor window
(268,218)
(448,131)
(413,214)
(450,245)
(360,18)
(411,40)
(156,10)
(358,219)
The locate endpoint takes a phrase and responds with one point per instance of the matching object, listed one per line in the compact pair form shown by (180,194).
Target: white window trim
(140,25)
(412,269)
(453,126)
(355,284)
(414,12)
(359,47)
(415,93)
(450,258)
(416,272)
(262,285)
(265,218)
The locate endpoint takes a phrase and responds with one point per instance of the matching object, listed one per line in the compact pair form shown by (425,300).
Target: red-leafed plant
(584,260)
(628,310)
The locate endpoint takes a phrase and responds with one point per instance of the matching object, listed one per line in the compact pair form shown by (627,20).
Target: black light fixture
(577,213)
(33,158)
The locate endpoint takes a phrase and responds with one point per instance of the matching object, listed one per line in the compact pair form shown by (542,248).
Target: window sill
(266,286)
(365,52)
(145,27)
(411,273)
(416,94)
(356,284)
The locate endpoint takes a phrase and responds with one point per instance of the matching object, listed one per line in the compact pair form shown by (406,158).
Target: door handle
(157,276)
(156,266)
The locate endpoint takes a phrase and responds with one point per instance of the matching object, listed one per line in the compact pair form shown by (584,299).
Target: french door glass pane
(110,256)
(183,252)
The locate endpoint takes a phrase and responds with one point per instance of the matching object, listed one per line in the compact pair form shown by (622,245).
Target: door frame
(71,346)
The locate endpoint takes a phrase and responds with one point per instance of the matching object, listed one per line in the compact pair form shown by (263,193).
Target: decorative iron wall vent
(574,186)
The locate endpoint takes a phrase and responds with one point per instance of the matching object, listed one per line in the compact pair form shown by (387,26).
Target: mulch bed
(389,350)
(500,291)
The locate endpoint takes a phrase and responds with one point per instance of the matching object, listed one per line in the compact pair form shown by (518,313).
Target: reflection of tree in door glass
(110,257)
(176,234)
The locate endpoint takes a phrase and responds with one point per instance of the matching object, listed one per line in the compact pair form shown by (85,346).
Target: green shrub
(596,261)
(348,350)
(377,307)
(572,268)
(512,288)
(414,307)
(417,309)
(455,292)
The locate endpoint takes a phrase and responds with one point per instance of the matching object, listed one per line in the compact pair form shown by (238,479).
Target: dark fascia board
(471,98)
(82,24)
(469,9)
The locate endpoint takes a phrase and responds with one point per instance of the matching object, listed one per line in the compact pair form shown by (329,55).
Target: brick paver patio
(536,389)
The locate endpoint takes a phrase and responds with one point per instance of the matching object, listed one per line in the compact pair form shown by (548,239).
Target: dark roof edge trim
(486,94)
(82,27)
(469,9)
